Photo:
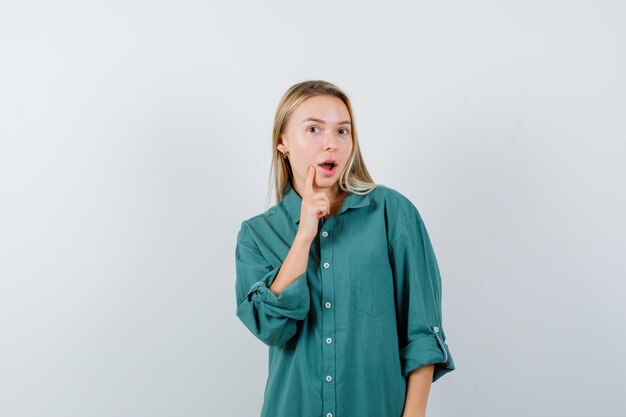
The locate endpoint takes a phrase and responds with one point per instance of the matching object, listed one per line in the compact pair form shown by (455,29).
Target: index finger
(308,185)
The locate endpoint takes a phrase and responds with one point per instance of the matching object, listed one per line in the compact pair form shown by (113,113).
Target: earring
(285,155)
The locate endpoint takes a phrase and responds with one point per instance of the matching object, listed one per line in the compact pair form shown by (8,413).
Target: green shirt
(345,334)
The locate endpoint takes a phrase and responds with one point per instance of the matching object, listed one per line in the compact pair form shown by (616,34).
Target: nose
(330,141)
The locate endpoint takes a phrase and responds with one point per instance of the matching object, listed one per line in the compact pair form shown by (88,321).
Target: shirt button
(329,378)
(329,414)
(324,233)
(329,340)
(327,305)
(436,329)
(326,265)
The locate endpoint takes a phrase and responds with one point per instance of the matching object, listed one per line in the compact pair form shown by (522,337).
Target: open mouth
(328,167)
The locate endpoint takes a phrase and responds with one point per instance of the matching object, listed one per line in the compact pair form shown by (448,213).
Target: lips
(328,167)
(329,163)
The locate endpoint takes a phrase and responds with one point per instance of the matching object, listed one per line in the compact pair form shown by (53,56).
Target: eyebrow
(313,119)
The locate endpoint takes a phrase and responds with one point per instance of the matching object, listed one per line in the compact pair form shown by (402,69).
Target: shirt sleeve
(271,318)
(418,297)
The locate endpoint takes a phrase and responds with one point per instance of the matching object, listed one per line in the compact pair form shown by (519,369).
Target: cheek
(303,155)
(307,150)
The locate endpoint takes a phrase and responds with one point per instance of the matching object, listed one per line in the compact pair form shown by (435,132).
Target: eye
(312,127)
(347,131)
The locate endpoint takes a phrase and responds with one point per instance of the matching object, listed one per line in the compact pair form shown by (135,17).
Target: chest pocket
(371,285)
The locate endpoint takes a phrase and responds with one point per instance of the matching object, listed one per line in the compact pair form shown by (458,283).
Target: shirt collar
(292,201)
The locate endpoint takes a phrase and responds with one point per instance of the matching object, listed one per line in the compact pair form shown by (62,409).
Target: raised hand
(314,206)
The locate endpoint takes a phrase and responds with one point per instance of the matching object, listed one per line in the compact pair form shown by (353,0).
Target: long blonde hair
(354,178)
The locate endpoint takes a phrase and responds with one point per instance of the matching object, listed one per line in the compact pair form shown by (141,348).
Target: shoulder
(398,205)
(261,222)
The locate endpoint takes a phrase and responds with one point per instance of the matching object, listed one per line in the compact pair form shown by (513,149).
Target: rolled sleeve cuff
(293,302)
(430,348)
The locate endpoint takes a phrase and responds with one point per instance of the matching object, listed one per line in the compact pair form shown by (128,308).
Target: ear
(281,145)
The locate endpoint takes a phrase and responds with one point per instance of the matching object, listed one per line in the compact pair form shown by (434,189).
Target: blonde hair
(355,176)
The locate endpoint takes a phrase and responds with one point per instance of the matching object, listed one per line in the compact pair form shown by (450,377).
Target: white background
(135,138)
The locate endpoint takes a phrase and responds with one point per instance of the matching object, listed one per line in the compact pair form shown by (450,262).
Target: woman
(339,278)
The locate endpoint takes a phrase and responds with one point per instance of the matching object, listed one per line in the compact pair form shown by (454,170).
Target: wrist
(300,239)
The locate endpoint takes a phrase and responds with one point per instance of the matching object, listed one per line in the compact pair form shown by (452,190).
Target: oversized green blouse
(345,334)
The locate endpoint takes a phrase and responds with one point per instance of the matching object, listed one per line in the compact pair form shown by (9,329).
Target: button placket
(328,318)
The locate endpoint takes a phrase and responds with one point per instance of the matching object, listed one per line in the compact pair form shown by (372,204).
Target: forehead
(328,108)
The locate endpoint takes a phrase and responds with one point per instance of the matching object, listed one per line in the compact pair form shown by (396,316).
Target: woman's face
(318,130)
